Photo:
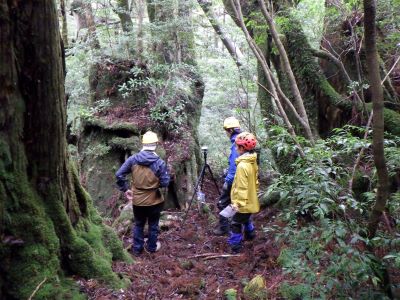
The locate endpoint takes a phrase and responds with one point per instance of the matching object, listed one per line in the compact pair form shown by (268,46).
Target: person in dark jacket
(232,129)
(149,173)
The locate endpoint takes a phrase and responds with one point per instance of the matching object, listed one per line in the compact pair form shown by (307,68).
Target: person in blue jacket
(232,129)
(149,174)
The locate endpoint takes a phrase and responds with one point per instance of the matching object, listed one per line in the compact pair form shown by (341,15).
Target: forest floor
(195,264)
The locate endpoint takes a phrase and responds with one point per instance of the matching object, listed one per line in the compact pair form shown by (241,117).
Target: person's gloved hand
(129,195)
(234,207)
(225,186)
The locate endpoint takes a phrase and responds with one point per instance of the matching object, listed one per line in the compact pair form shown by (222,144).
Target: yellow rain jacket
(245,185)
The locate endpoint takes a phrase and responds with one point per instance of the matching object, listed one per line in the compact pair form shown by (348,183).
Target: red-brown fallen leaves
(180,271)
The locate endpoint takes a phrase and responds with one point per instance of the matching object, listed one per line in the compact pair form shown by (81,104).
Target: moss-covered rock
(109,137)
(255,289)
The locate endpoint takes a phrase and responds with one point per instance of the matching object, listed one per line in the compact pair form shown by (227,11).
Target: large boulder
(126,102)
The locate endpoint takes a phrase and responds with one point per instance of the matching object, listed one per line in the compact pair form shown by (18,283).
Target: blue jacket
(232,157)
(144,158)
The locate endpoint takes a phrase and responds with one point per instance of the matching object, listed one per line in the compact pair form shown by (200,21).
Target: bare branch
(229,45)
(37,288)
(286,65)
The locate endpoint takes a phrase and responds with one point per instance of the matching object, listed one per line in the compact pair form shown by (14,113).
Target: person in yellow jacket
(244,191)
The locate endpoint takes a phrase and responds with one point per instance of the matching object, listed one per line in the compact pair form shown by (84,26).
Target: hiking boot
(136,252)
(236,249)
(158,246)
(220,231)
(223,227)
(249,235)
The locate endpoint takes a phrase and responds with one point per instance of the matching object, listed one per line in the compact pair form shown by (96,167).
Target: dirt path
(191,263)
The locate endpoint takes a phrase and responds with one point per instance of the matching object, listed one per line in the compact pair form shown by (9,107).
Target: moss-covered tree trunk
(378,121)
(122,10)
(124,15)
(48,227)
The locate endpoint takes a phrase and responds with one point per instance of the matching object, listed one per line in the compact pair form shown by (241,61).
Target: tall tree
(378,120)
(140,16)
(122,11)
(84,18)
(48,226)
(172,31)
(64,28)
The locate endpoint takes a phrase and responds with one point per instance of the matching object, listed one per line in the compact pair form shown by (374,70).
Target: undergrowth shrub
(325,253)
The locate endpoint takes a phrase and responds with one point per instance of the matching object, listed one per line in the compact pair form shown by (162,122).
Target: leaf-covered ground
(193,263)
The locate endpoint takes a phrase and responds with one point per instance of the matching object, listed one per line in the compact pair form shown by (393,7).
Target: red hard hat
(247,140)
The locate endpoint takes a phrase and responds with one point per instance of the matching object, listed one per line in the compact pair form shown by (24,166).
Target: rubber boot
(235,242)
(249,231)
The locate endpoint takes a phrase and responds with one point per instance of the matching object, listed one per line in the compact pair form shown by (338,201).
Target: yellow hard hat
(149,137)
(231,122)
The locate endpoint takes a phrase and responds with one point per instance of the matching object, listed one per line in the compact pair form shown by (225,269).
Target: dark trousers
(239,222)
(225,198)
(224,201)
(151,215)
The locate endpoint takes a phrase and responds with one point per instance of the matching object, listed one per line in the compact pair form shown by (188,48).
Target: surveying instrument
(199,183)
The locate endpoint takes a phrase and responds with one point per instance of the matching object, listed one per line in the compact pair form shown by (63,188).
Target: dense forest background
(318,83)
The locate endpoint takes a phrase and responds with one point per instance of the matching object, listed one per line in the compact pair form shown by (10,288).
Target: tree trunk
(162,17)
(123,14)
(185,37)
(122,11)
(83,14)
(172,31)
(140,12)
(285,63)
(48,225)
(378,121)
(64,28)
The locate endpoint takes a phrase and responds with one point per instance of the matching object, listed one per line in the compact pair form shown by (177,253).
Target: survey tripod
(200,181)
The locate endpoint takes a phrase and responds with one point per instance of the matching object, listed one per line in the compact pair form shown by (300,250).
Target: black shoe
(158,246)
(220,231)
(249,235)
(236,249)
(136,252)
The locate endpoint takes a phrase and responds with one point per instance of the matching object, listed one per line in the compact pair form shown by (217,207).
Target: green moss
(118,126)
(230,294)
(114,244)
(83,260)
(255,289)
(392,121)
(59,288)
(33,252)
(132,143)
(92,234)
(42,241)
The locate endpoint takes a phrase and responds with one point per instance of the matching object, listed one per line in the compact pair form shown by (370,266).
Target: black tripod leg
(212,177)
(199,181)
